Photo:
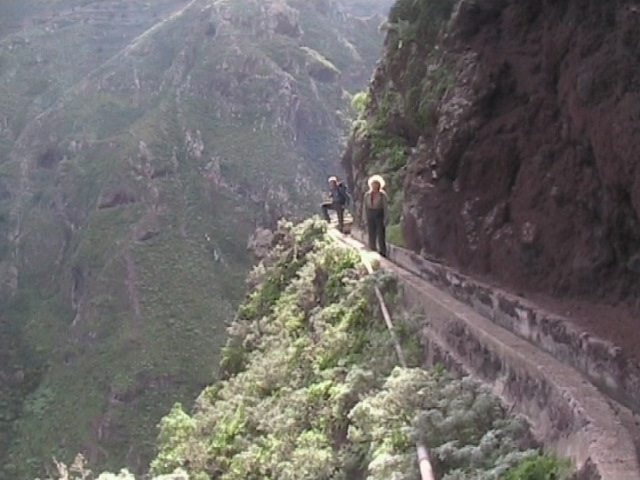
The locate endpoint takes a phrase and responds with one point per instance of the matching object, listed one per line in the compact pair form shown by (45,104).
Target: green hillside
(140,146)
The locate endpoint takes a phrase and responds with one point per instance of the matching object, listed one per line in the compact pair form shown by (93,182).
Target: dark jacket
(339,194)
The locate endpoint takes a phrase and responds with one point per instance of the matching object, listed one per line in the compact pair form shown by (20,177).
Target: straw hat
(376,178)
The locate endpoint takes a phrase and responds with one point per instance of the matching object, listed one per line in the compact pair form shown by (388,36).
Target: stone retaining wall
(525,356)
(568,414)
(606,365)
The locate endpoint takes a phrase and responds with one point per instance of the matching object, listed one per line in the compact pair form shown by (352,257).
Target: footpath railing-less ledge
(568,413)
(606,365)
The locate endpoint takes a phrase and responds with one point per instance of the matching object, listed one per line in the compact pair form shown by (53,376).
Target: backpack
(343,195)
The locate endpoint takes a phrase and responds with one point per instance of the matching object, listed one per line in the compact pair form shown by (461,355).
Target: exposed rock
(145,235)
(261,242)
(9,280)
(284,20)
(528,169)
(211,30)
(322,73)
(319,67)
(5,193)
(634,263)
(116,198)
(367,7)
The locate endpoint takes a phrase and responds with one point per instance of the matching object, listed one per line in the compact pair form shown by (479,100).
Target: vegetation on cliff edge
(311,389)
(401,103)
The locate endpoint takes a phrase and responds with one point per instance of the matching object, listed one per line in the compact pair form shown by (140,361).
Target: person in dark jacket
(376,212)
(338,199)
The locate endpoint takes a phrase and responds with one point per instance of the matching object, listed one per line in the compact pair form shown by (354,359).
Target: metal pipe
(424,463)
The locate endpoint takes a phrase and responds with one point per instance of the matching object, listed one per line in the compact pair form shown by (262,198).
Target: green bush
(540,467)
(359,102)
(394,235)
(420,19)
(397,157)
(319,395)
(175,430)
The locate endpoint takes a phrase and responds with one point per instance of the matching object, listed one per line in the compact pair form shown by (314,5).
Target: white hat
(376,178)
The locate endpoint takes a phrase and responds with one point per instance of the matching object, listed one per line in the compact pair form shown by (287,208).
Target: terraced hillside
(140,145)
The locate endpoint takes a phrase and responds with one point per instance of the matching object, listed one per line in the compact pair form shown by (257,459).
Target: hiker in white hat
(376,212)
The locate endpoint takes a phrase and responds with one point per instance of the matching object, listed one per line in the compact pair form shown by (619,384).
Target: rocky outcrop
(520,123)
(319,68)
(116,198)
(260,243)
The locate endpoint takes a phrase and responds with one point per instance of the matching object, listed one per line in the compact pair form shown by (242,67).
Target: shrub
(359,102)
(397,157)
(420,20)
(394,235)
(540,467)
(175,430)
(320,397)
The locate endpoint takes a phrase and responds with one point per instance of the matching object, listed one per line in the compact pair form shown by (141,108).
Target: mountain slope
(48,46)
(128,198)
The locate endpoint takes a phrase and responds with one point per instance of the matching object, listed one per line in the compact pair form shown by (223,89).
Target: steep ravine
(509,130)
(312,388)
(128,188)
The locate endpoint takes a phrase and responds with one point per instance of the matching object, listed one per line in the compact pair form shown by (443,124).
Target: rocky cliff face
(510,133)
(140,145)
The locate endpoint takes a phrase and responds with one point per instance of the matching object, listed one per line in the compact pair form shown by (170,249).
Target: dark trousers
(339,209)
(377,230)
